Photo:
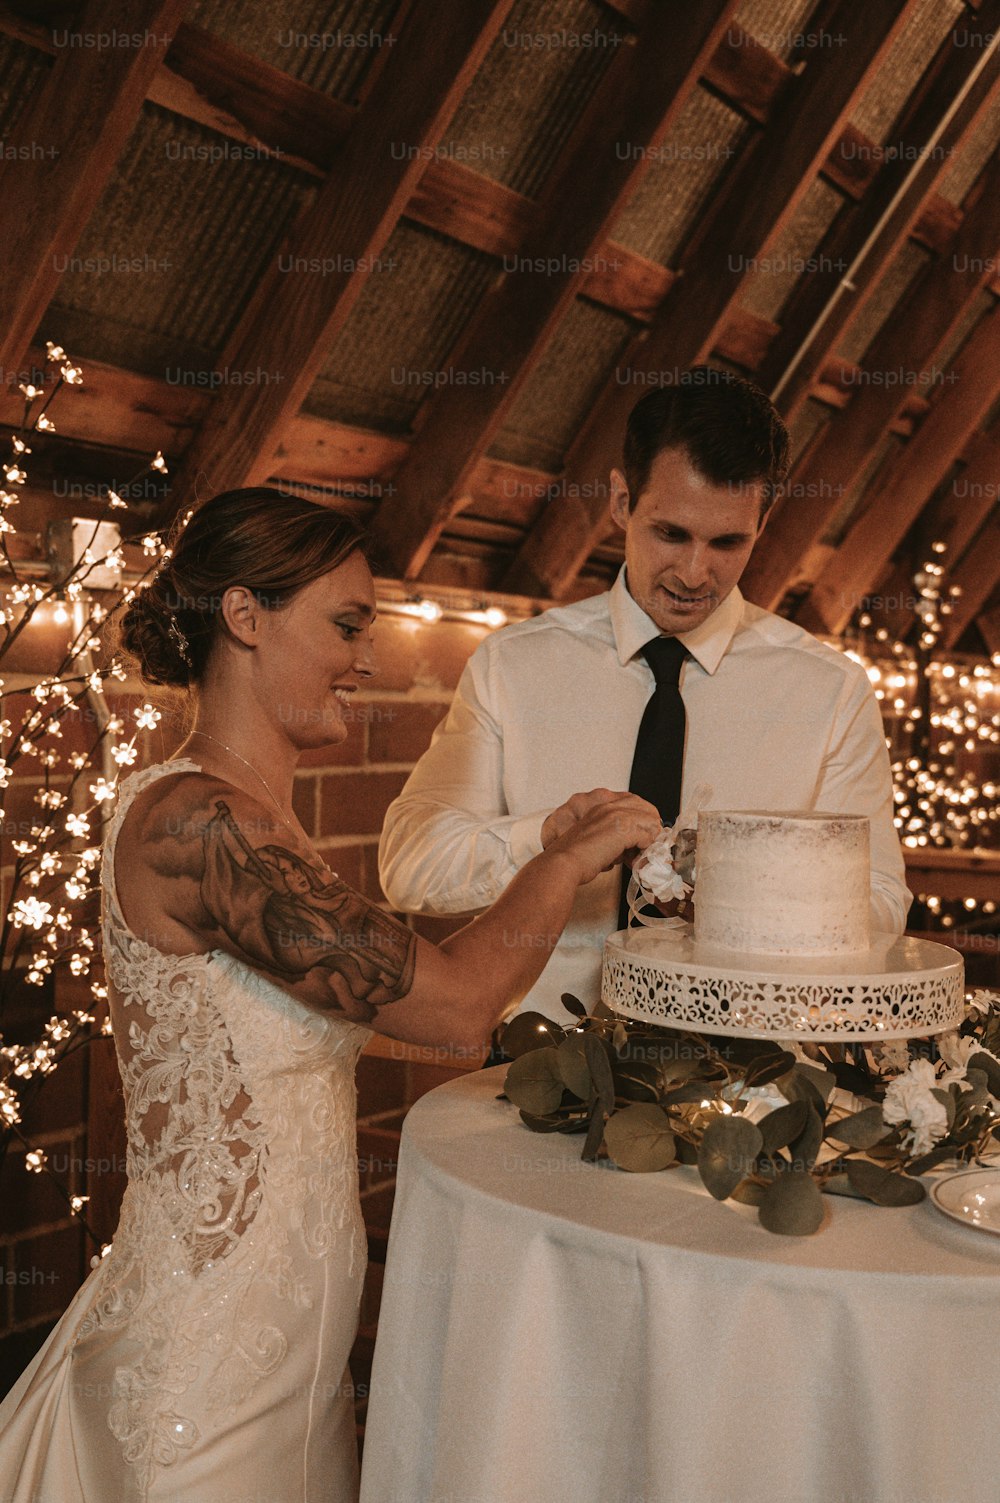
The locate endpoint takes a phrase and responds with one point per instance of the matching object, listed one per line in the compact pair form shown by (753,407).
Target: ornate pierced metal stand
(900,988)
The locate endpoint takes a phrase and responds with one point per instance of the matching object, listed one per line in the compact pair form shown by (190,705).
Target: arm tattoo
(280,911)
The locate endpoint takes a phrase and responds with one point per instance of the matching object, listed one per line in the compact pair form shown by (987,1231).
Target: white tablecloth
(555,1332)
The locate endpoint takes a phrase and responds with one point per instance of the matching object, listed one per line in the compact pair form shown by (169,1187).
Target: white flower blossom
(893,1055)
(908,1100)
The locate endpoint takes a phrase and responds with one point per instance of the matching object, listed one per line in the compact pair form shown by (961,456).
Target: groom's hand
(572,811)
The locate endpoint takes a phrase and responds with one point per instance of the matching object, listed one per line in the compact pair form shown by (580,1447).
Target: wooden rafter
(904,348)
(639,98)
(961,82)
(976,576)
(291,321)
(903,486)
(767,189)
(63,150)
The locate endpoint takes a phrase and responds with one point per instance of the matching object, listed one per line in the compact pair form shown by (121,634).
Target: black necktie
(658,761)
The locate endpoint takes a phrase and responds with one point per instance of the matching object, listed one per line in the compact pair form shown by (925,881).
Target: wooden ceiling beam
(902,486)
(291,321)
(64,148)
(905,349)
(745,218)
(862,241)
(977,576)
(641,94)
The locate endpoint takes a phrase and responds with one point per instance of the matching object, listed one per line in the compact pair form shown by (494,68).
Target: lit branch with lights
(51,888)
(943,731)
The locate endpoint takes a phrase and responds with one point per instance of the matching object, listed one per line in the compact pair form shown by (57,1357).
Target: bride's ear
(241,614)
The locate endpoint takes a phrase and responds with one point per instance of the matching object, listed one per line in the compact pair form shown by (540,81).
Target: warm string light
(942,722)
(58,852)
(425,608)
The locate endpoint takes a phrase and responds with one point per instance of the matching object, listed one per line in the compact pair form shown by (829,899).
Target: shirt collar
(707,643)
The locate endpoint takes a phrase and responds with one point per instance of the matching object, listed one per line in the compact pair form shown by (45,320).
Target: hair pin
(179,640)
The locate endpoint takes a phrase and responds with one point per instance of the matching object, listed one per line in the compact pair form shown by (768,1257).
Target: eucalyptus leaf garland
(850,1119)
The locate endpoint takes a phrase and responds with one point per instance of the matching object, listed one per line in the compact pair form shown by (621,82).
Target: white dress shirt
(550,707)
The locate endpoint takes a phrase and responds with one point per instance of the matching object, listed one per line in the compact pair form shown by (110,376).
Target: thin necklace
(253,769)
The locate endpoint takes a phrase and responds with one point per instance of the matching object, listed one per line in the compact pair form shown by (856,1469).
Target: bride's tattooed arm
(284,912)
(238,875)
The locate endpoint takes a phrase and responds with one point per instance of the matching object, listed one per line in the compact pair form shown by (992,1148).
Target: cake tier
(773,883)
(899,988)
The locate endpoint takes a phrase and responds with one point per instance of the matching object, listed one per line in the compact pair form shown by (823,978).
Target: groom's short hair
(729,429)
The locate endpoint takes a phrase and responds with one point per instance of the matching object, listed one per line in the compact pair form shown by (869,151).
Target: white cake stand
(899,988)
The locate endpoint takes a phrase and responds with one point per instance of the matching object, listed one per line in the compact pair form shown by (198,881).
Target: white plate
(972,1196)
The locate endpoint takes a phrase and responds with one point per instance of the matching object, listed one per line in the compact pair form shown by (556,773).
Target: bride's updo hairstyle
(269,542)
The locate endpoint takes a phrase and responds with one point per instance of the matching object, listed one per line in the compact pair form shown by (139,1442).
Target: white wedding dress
(205,1358)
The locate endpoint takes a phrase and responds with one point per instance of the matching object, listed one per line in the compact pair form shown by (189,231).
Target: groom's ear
(619,506)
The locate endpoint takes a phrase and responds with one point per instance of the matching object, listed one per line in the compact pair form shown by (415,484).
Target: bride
(205,1358)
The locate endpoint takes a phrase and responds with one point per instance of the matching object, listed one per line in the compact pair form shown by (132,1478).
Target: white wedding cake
(781,943)
(783,884)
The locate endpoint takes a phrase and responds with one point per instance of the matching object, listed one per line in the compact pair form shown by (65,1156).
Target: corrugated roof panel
(329,44)
(531,90)
(879,108)
(22,71)
(182,233)
(781,27)
(398,338)
(893,285)
(796,253)
(972,156)
(563,387)
(680,175)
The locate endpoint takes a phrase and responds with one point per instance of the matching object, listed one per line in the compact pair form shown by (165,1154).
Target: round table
(558,1332)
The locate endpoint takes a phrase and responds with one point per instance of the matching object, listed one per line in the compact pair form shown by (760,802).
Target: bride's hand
(615,827)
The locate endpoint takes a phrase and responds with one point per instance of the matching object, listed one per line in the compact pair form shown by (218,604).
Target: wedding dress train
(205,1358)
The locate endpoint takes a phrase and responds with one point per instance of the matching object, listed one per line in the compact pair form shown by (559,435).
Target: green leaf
(931,1160)
(534,1084)
(728,1152)
(748,1193)
(685,1094)
(798,1085)
(839,1184)
(861,1130)
(792,1205)
(768,1067)
(783,1125)
(824,1080)
(573,1004)
(542,1124)
(806,1146)
(598,1063)
(882,1186)
(949,1103)
(687,1153)
(990,1069)
(574,1072)
(639,1139)
(528,1031)
(595,1134)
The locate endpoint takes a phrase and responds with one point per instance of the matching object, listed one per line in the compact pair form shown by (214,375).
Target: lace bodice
(242,1167)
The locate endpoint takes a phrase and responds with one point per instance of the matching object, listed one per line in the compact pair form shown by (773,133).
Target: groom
(576,699)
